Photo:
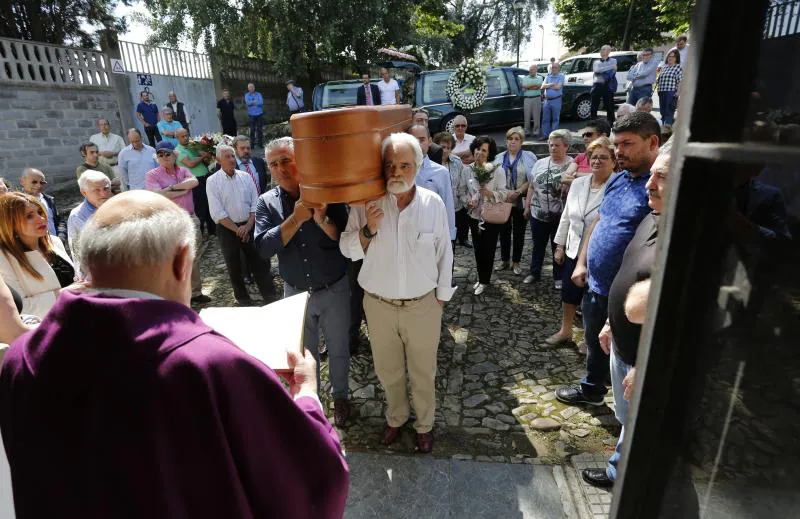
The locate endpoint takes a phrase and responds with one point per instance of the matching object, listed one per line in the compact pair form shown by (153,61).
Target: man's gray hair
(403,138)
(460,117)
(136,240)
(604,47)
(421,127)
(240,138)
(225,147)
(276,144)
(560,134)
(91,175)
(625,109)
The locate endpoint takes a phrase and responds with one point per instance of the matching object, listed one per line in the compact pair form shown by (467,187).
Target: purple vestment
(135,408)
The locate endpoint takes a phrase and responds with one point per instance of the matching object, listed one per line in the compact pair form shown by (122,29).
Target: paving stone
(581,433)
(545,424)
(365,392)
(493,423)
(476,400)
(483,367)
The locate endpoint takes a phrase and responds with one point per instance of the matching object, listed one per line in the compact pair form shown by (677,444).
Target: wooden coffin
(338,152)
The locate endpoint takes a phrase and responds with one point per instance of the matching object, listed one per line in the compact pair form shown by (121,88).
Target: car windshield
(342,94)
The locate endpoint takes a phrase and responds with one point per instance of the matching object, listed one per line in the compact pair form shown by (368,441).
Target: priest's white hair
(396,139)
(146,237)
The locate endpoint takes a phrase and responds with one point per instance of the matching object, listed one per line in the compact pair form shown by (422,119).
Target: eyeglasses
(163,154)
(588,135)
(599,157)
(459,126)
(35,182)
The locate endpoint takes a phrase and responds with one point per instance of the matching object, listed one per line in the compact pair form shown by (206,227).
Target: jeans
(619,371)
(256,127)
(462,225)
(542,232)
(639,92)
(329,309)
(666,104)
(532,109)
(200,198)
(516,226)
(551,114)
(595,314)
(484,244)
(600,91)
(153,135)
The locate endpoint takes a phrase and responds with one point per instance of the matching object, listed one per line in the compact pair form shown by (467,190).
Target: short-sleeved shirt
(387,91)
(172,126)
(462,146)
(533,80)
(159,178)
(637,265)
(550,93)
(545,177)
(200,170)
(624,206)
(149,112)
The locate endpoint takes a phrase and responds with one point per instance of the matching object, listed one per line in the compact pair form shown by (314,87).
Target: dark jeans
(543,232)
(601,91)
(484,243)
(229,128)
(356,298)
(516,226)
(257,127)
(232,247)
(462,225)
(201,206)
(595,314)
(666,105)
(153,135)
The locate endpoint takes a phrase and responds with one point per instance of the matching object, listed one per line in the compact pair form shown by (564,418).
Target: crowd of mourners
(115,391)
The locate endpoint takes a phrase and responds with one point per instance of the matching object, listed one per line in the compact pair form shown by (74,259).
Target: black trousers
(229,128)
(153,135)
(356,298)
(516,226)
(462,225)
(602,92)
(232,247)
(484,244)
(200,198)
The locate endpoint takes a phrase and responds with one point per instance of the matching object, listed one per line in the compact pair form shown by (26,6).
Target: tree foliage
(59,21)
(589,24)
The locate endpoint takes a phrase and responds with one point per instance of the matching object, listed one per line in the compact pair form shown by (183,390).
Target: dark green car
(503,105)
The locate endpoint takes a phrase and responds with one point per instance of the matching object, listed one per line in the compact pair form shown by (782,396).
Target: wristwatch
(367,234)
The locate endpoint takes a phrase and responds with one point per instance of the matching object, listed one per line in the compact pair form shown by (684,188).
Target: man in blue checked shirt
(434,176)
(255,113)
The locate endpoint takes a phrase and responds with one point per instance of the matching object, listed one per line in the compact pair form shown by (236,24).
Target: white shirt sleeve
(349,242)
(215,207)
(444,258)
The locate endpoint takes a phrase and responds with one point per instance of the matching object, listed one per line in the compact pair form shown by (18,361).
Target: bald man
(33,183)
(165,418)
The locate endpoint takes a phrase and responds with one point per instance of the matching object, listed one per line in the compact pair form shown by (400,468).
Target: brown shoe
(341,411)
(425,442)
(390,434)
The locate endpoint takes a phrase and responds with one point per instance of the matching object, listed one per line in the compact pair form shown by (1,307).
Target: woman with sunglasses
(32,262)
(583,203)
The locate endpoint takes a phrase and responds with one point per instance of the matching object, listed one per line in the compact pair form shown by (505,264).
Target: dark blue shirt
(624,207)
(311,260)
(149,112)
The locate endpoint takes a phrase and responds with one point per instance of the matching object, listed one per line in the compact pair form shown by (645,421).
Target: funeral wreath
(466,87)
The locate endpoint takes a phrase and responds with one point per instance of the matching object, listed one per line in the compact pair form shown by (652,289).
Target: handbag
(496,212)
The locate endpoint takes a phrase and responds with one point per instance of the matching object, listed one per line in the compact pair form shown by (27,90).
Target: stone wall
(43,126)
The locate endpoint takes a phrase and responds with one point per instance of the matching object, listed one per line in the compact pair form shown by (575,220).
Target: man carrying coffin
(123,403)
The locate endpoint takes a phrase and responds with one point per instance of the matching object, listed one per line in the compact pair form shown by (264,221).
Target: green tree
(62,22)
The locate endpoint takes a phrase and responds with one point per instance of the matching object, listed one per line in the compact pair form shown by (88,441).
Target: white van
(578,69)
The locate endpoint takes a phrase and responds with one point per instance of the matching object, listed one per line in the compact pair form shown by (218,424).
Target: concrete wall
(43,126)
(197,95)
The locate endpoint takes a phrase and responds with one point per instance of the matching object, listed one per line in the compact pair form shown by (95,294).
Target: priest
(123,403)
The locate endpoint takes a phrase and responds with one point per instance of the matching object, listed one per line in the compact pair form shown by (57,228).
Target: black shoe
(201,299)
(597,478)
(466,245)
(573,395)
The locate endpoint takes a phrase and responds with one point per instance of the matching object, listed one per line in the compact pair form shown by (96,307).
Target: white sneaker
(528,280)
(517,270)
(480,288)
(476,285)
(558,284)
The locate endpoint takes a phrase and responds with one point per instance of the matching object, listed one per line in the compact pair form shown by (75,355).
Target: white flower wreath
(468,74)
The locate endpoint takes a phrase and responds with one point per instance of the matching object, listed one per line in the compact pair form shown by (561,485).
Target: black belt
(551,98)
(645,86)
(321,287)
(397,302)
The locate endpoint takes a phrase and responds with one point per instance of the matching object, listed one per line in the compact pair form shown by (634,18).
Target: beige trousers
(406,337)
(532,108)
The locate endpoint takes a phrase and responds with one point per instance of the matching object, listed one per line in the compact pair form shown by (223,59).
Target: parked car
(578,69)
(503,105)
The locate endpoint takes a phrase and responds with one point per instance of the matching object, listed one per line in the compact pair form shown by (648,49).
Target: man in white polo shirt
(390,90)
(463,140)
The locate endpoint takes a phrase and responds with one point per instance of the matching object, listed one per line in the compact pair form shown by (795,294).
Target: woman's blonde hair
(12,219)
(560,134)
(516,130)
(600,142)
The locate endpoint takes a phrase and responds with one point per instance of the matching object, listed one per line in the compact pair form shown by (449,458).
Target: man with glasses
(176,183)
(33,182)
(594,130)
(463,140)
(135,160)
(642,76)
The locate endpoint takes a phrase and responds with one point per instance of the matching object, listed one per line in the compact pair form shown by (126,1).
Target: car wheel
(447,122)
(582,108)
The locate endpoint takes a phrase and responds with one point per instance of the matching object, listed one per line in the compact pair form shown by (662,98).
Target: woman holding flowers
(488,184)
(517,164)
(544,202)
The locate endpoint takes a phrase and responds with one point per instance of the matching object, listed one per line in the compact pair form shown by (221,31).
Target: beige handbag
(496,212)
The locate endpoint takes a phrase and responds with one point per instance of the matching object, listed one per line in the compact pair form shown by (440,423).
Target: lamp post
(519,5)
(541,58)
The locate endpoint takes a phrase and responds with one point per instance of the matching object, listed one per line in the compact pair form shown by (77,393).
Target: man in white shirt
(108,144)
(232,200)
(463,140)
(135,160)
(404,240)
(390,90)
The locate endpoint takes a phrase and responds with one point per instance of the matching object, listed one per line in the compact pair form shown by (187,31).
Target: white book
(265,332)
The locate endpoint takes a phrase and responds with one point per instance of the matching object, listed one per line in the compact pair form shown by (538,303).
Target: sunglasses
(599,157)
(164,154)
(35,182)
(588,135)
(459,126)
